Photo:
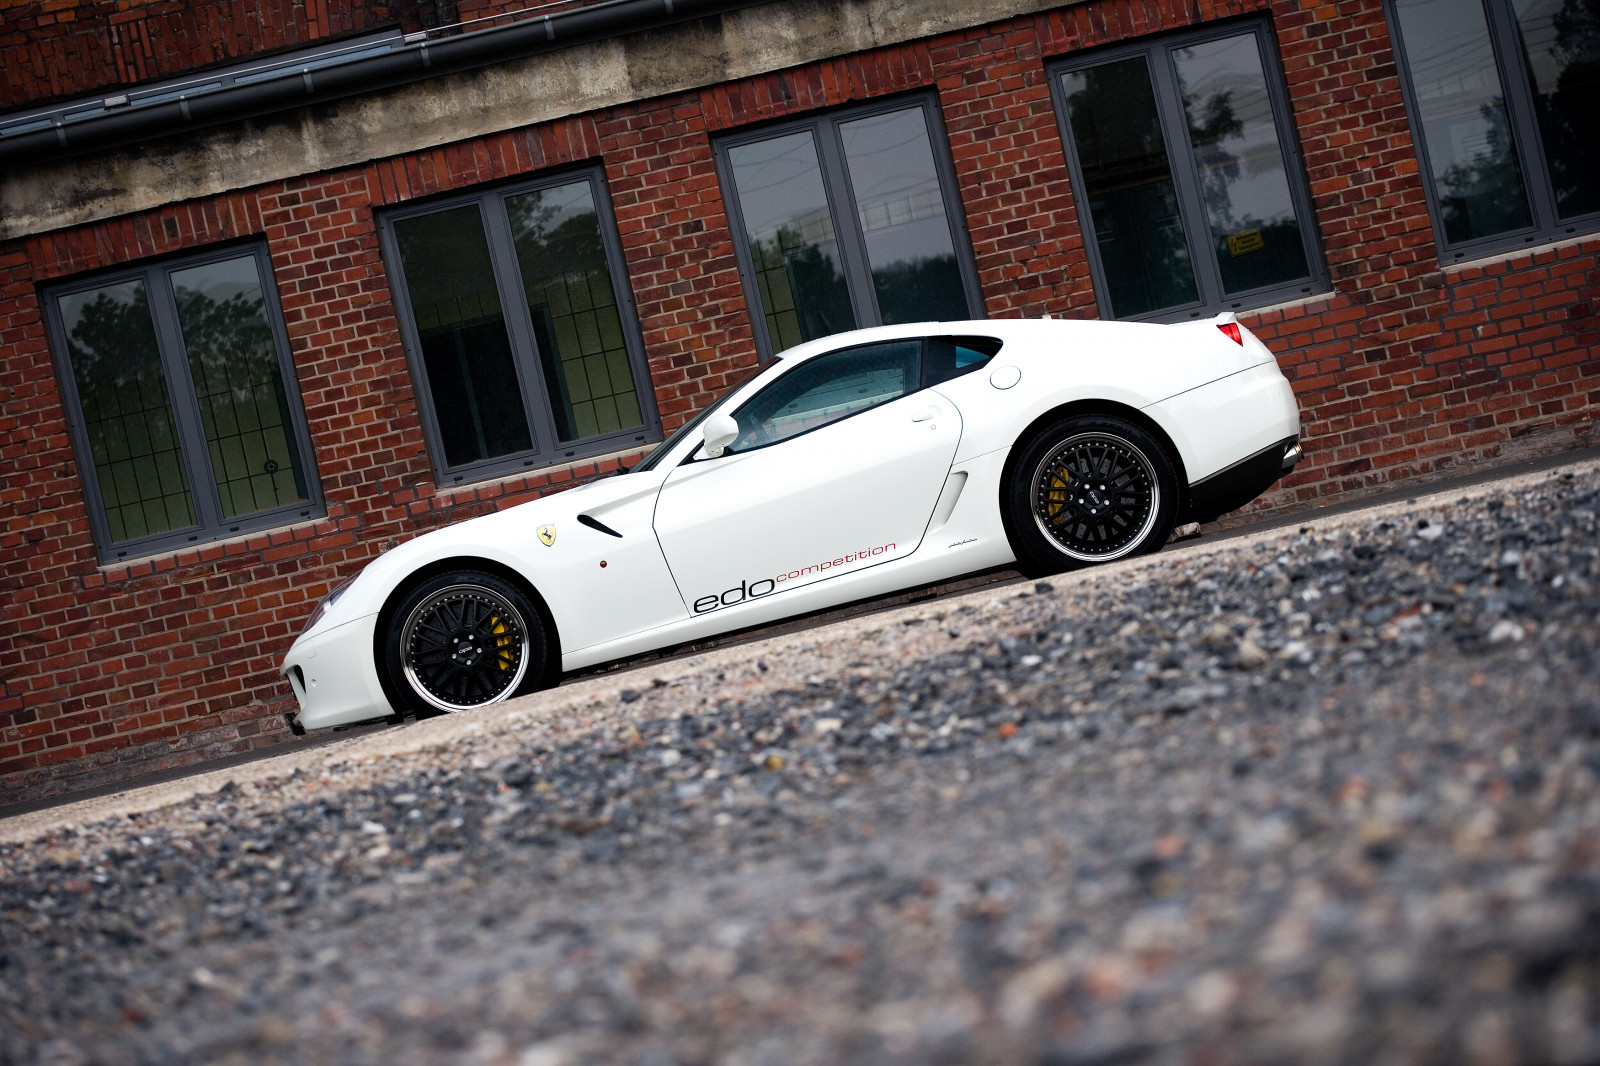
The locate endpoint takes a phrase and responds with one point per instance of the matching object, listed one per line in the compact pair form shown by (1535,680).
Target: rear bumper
(1232,434)
(1227,490)
(334,677)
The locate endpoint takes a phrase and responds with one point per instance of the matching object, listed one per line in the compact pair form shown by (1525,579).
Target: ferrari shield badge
(547,534)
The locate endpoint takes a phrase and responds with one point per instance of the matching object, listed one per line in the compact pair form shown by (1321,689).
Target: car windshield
(736,378)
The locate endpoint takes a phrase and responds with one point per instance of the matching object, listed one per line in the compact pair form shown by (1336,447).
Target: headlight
(327,601)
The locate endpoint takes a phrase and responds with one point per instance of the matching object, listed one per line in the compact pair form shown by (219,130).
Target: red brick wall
(1402,370)
(1408,368)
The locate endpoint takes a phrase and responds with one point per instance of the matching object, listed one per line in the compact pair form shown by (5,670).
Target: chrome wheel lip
(1037,489)
(423,610)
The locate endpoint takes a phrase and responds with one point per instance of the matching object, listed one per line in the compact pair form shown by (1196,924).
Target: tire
(1129,501)
(460,640)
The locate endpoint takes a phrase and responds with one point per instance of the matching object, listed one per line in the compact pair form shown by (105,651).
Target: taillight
(1231,331)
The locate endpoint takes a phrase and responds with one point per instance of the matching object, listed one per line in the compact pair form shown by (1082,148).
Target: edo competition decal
(754,590)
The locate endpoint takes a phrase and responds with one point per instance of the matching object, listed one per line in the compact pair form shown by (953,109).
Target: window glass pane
(127,411)
(477,400)
(827,389)
(1561,47)
(945,358)
(238,380)
(574,310)
(1128,185)
(792,241)
(901,208)
(1464,121)
(1254,232)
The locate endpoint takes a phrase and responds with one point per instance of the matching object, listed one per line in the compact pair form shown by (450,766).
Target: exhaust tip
(294,725)
(1291,455)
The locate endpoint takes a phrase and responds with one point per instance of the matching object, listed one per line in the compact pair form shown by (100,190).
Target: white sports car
(848,467)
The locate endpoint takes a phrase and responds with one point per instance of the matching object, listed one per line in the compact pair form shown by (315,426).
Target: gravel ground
(1326,796)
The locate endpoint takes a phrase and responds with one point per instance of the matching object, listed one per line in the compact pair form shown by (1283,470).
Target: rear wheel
(1089,489)
(463,639)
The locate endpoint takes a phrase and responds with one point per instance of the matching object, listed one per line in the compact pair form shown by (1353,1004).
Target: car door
(837,466)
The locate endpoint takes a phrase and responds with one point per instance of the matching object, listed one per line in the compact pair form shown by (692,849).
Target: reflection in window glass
(233,361)
(127,411)
(576,322)
(1561,47)
(792,241)
(1128,183)
(901,209)
(1464,120)
(1254,232)
(827,389)
(461,327)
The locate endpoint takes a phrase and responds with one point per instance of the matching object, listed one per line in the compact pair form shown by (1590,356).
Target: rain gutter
(418,59)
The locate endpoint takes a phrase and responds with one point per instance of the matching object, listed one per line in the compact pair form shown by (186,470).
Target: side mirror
(719,432)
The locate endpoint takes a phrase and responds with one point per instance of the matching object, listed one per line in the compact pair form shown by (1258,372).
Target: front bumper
(335,677)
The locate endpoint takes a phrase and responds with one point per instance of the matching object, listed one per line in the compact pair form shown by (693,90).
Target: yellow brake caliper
(1059,495)
(502,641)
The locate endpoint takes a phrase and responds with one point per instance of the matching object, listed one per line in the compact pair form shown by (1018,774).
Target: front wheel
(1089,489)
(461,640)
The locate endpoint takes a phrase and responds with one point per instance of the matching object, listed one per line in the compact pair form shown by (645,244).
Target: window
(846,220)
(521,332)
(950,357)
(1195,198)
(182,402)
(832,387)
(1504,93)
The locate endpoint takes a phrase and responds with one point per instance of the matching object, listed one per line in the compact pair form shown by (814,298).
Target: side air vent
(595,523)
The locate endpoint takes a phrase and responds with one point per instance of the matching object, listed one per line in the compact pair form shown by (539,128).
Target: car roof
(1003,329)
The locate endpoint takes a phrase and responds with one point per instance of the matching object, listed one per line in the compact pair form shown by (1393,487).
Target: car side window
(950,357)
(827,389)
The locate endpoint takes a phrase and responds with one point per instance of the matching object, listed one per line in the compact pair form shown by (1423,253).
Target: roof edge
(417,60)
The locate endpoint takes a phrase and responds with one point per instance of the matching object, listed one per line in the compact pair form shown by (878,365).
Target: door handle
(930,411)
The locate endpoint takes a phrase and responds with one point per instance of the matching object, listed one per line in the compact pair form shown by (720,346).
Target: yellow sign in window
(1246,240)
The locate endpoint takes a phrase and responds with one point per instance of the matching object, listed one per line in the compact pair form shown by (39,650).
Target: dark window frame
(1157,51)
(824,127)
(547,451)
(1526,140)
(213,525)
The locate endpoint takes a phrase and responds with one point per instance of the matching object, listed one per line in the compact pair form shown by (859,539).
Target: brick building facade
(1414,346)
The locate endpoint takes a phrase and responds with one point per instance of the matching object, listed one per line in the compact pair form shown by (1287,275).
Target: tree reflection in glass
(127,410)
(1254,231)
(792,241)
(1128,185)
(901,209)
(576,323)
(462,330)
(1561,47)
(233,361)
(1464,123)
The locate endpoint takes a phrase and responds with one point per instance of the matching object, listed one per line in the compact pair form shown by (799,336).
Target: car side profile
(846,468)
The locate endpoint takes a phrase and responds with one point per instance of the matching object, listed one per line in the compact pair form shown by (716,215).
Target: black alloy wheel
(462,640)
(1089,489)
